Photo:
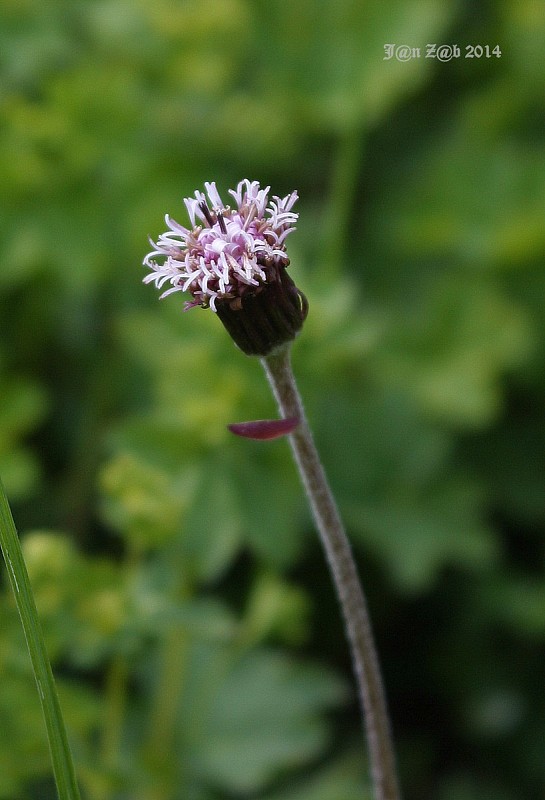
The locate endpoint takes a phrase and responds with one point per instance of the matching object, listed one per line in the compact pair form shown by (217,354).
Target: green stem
(115,702)
(341,201)
(343,569)
(61,758)
(164,713)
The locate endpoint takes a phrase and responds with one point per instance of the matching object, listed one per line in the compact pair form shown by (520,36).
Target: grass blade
(63,767)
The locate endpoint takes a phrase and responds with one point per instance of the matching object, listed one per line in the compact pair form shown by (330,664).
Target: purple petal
(265,428)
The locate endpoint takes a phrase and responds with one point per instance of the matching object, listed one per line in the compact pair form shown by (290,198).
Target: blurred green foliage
(185,603)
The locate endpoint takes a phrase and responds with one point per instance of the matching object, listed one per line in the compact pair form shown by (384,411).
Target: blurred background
(186,605)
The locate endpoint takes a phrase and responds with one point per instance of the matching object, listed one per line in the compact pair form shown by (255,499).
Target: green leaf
(417,537)
(213,532)
(337,72)
(342,778)
(450,352)
(265,720)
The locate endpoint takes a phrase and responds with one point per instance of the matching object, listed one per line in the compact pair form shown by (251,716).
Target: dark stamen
(206,211)
(221,222)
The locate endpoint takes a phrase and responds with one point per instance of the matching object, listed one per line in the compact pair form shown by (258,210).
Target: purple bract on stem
(265,429)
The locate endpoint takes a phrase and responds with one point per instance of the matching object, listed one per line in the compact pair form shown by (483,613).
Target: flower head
(227,252)
(233,260)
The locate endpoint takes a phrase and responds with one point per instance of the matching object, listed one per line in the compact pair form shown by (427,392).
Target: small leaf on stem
(265,428)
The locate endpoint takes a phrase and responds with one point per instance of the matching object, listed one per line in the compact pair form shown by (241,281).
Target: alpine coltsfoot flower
(233,261)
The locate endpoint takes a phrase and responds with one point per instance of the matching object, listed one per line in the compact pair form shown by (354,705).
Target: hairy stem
(341,562)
